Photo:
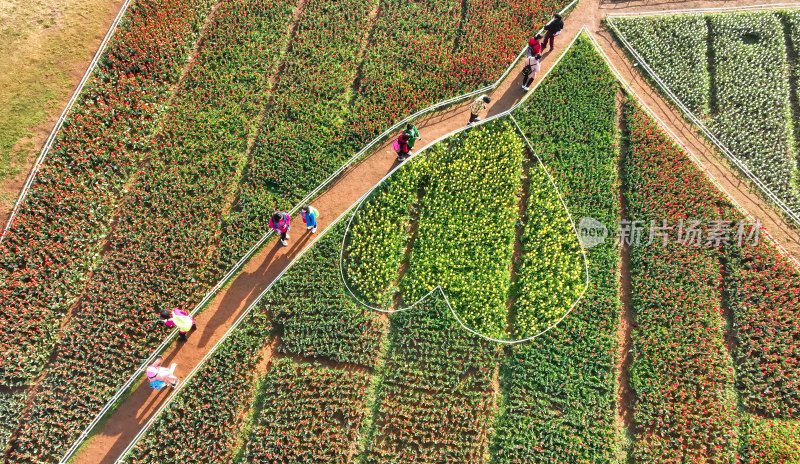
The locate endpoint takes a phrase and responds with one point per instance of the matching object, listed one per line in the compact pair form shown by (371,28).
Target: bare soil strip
(626,396)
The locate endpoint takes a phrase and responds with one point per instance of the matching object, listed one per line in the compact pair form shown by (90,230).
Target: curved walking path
(134,412)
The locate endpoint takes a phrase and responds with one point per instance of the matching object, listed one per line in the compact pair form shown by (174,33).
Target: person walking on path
(553,28)
(280,223)
(413,135)
(477,107)
(310,215)
(534,47)
(529,71)
(401,146)
(180,319)
(160,376)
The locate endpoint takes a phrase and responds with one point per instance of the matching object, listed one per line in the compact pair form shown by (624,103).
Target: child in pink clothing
(159,376)
(180,319)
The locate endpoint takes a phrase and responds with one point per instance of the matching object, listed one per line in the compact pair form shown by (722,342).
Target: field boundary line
(691,154)
(719,9)
(63,117)
(503,114)
(249,254)
(694,119)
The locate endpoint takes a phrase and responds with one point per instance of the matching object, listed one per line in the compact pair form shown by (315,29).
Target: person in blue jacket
(310,215)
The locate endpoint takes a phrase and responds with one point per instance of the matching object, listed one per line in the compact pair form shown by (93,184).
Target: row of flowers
(158,254)
(769,441)
(758,283)
(465,236)
(310,414)
(436,400)
(55,237)
(551,273)
(682,372)
(559,388)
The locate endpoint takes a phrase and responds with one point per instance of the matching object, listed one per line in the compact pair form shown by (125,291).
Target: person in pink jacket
(160,376)
(280,223)
(180,319)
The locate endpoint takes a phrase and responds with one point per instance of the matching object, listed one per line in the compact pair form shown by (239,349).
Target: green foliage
(436,397)
(311,414)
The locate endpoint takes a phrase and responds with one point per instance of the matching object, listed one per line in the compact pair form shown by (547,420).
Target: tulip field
(327,106)
(734,71)
(203,117)
(559,388)
(60,228)
(424,390)
(196,122)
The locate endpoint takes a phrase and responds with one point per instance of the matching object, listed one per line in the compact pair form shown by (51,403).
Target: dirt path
(262,269)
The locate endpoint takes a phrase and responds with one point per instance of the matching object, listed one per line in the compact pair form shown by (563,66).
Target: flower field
(312,375)
(763,288)
(418,53)
(707,76)
(60,227)
(683,371)
(309,315)
(309,414)
(186,181)
(437,396)
(141,159)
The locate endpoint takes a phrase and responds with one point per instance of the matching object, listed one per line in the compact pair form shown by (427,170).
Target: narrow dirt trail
(120,428)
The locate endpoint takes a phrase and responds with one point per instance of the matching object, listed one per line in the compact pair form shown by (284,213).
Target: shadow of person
(247,286)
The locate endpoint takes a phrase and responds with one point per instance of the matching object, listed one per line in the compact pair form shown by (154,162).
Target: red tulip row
(761,285)
(314,319)
(66,215)
(682,371)
(436,399)
(309,414)
(328,106)
(559,388)
(159,251)
(764,294)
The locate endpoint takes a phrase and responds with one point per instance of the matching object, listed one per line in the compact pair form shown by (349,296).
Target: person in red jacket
(401,146)
(534,47)
(553,28)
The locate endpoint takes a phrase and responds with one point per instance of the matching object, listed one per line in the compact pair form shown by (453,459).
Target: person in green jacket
(413,135)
